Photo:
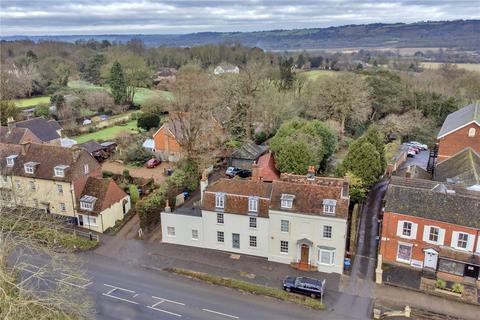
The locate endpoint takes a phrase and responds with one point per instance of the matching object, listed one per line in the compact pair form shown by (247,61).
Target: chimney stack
(408,173)
(311,173)
(10,124)
(256,172)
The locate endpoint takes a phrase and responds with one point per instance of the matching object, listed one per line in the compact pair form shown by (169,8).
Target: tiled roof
(431,200)
(43,129)
(240,187)
(463,168)
(14,135)
(91,146)
(460,118)
(249,150)
(266,165)
(106,191)
(47,157)
(309,194)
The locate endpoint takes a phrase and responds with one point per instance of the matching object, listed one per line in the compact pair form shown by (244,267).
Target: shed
(246,155)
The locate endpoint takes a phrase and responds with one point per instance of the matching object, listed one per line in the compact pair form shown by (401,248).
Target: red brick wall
(389,242)
(458,140)
(164,141)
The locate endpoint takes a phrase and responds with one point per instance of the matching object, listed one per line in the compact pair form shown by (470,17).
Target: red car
(152,163)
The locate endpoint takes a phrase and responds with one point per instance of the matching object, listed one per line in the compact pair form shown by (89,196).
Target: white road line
(220,313)
(171,301)
(136,295)
(119,298)
(75,285)
(115,287)
(165,311)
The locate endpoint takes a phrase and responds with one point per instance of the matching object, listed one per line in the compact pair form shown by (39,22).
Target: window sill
(406,237)
(403,261)
(284,253)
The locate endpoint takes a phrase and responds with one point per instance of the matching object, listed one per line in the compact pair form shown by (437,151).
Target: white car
(419,145)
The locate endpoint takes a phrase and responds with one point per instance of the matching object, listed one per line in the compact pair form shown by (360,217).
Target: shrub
(134,196)
(148,121)
(107,174)
(440,284)
(457,287)
(126,173)
(137,155)
(260,137)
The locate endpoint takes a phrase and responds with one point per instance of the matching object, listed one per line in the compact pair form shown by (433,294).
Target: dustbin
(347,263)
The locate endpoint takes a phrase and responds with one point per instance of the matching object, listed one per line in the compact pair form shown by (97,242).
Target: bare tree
(30,266)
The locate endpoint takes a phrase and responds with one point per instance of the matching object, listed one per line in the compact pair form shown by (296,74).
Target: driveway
(420,159)
(156,173)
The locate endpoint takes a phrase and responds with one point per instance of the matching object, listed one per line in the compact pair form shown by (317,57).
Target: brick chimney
(256,173)
(311,173)
(408,173)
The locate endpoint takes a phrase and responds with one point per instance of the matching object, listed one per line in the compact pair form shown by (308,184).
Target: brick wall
(164,141)
(458,140)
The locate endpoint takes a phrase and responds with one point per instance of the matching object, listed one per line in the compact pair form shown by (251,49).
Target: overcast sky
(49,17)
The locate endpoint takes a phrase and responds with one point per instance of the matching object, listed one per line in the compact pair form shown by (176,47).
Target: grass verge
(250,288)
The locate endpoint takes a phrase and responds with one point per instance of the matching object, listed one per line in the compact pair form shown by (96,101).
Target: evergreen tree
(375,137)
(362,160)
(118,84)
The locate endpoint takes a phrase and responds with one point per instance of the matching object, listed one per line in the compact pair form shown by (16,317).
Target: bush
(134,196)
(148,121)
(137,155)
(260,137)
(107,174)
(440,284)
(126,173)
(457,287)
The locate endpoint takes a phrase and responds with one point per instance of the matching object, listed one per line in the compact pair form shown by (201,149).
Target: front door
(304,254)
(236,240)
(80,219)
(430,260)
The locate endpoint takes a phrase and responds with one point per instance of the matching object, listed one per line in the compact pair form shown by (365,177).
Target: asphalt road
(122,292)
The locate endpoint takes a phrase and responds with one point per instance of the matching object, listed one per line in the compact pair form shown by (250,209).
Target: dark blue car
(308,286)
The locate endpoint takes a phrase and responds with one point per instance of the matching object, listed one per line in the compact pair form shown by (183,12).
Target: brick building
(461,129)
(432,226)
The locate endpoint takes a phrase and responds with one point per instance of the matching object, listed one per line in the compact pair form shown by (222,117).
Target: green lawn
(140,95)
(317,74)
(32,102)
(107,133)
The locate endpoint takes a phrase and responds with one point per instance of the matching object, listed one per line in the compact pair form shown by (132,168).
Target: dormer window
(253,204)
(329,206)
(220,200)
(87,202)
(287,201)
(30,167)
(11,160)
(59,171)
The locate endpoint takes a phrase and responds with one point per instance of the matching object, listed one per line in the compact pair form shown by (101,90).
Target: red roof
(266,165)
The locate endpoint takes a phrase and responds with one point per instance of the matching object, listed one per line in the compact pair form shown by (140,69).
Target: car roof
(311,281)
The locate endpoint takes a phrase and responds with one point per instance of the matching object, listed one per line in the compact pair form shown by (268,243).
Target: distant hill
(463,34)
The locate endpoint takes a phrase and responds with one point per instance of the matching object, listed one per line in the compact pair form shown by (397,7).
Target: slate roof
(430,200)
(460,118)
(106,191)
(91,146)
(43,129)
(249,151)
(463,168)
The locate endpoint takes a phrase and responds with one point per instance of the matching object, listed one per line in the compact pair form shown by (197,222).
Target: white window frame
(29,168)
(59,188)
(220,237)
(220,218)
(434,232)
(327,232)
(427,232)
(401,229)
(472,132)
(86,205)
(331,260)
(220,200)
(253,204)
(252,222)
(329,209)
(86,169)
(252,240)
(283,247)
(462,240)
(89,220)
(59,172)
(171,231)
(282,225)
(63,207)
(407,227)
(194,234)
(11,160)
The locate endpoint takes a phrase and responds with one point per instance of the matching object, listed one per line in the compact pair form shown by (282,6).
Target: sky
(62,17)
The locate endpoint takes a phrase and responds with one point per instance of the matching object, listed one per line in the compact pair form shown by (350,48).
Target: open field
(32,102)
(317,74)
(140,95)
(108,133)
(467,66)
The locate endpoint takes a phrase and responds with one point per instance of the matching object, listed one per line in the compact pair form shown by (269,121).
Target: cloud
(46,17)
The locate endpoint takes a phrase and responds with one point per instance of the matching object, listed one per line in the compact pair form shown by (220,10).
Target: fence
(85,234)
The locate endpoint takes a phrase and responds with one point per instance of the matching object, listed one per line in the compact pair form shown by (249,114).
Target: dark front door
(304,254)
(236,240)
(471,271)
(80,219)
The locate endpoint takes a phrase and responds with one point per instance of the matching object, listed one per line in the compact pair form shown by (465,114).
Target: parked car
(243,173)
(413,147)
(308,286)
(411,153)
(152,163)
(419,145)
(231,171)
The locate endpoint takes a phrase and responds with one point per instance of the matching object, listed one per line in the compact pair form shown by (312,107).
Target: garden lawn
(32,102)
(108,133)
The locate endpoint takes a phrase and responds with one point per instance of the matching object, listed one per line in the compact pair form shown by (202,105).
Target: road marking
(114,288)
(171,301)
(68,276)
(220,313)
(164,311)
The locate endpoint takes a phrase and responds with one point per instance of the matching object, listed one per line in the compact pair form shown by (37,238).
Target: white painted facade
(311,228)
(182,226)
